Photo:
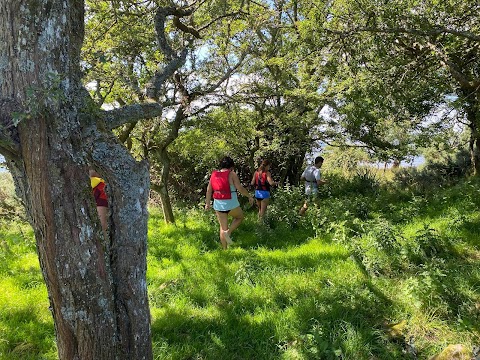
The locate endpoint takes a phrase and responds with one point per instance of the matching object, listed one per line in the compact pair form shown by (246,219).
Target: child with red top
(98,186)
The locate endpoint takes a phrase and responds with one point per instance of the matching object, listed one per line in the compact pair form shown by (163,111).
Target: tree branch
(131,113)
(8,149)
(173,133)
(203,108)
(9,138)
(153,88)
(160,19)
(227,75)
(174,61)
(219,18)
(433,32)
(456,73)
(186,29)
(125,134)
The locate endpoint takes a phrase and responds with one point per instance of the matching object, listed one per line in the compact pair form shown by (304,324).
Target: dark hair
(263,165)
(318,160)
(226,163)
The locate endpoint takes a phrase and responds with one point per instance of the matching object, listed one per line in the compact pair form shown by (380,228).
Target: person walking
(224,185)
(262,180)
(313,179)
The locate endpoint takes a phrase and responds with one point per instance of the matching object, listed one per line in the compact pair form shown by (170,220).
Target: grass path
(279,294)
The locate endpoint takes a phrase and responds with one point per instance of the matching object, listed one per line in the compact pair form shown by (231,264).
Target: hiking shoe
(227,237)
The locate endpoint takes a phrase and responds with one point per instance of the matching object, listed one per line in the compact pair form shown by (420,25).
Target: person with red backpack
(262,180)
(224,185)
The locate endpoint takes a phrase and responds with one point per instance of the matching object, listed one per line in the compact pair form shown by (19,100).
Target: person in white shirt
(313,179)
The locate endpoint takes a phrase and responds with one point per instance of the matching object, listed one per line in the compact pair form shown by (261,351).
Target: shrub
(283,209)
(428,244)
(380,249)
(434,174)
(362,182)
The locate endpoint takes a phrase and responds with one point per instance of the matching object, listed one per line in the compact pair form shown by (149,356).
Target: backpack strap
(262,185)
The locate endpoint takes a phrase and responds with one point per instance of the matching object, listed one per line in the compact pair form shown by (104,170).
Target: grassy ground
(362,276)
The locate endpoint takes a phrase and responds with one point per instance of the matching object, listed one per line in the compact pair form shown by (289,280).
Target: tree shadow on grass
(452,285)
(322,328)
(227,336)
(244,313)
(324,321)
(250,235)
(24,336)
(253,234)
(469,231)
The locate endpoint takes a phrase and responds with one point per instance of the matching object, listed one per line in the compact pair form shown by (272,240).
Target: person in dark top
(262,180)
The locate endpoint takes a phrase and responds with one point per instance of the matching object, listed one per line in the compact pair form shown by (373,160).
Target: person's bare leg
(223,221)
(238,217)
(103,216)
(303,209)
(263,208)
(259,206)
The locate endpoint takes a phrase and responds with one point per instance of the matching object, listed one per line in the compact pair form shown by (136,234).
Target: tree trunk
(96,286)
(473,117)
(474,147)
(162,188)
(162,154)
(255,146)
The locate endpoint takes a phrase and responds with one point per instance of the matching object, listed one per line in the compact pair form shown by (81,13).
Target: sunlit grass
(26,326)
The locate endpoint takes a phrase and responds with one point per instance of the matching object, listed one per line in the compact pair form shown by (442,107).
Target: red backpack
(221,185)
(261,181)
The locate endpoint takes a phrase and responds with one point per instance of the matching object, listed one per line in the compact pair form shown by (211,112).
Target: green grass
(327,286)
(26,326)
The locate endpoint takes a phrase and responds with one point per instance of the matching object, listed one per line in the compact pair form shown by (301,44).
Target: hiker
(98,187)
(224,185)
(262,180)
(312,177)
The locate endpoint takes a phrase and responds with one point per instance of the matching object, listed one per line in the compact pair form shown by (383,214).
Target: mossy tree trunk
(51,133)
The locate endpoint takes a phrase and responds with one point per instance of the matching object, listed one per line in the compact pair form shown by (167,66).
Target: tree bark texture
(96,286)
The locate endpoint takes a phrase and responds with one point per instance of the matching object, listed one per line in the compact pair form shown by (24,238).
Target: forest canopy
(282,79)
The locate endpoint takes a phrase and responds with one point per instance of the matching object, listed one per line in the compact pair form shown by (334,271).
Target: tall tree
(409,57)
(282,90)
(51,133)
(212,38)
